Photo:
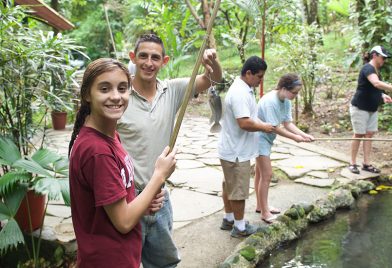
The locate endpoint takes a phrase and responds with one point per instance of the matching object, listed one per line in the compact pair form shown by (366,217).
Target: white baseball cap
(380,50)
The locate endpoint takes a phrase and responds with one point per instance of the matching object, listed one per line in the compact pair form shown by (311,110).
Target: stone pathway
(195,189)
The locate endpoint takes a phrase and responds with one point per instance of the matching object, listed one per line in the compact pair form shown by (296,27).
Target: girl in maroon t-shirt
(105,209)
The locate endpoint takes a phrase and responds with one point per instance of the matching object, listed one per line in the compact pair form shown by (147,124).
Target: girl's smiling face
(109,96)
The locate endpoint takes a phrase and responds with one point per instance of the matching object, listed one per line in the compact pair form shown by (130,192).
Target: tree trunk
(55,5)
(311,11)
(206,18)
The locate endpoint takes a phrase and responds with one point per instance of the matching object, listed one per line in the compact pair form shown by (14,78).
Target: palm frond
(13,199)
(10,236)
(48,186)
(64,185)
(45,157)
(251,7)
(9,152)
(31,166)
(8,181)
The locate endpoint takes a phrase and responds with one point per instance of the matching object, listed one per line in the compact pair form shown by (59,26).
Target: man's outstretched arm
(213,71)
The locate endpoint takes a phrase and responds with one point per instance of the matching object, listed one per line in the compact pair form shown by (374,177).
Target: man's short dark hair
(254,64)
(151,37)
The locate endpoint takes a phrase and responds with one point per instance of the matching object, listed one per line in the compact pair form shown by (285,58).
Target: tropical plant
(34,76)
(303,54)
(44,171)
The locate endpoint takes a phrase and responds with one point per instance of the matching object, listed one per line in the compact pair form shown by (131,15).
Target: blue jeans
(158,246)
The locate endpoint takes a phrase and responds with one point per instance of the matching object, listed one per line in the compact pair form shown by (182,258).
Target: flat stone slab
(210,154)
(345,172)
(184,156)
(278,156)
(190,205)
(189,164)
(51,221)
(282,150)
(302,152)
(59,211)
(179,224)
(310,162)
(319,174)
(205,179)
(211,145)
(64,232)
(316,182)
(197,151)
(210,161)
(292,172)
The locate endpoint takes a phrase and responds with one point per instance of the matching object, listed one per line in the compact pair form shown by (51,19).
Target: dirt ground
(330,120)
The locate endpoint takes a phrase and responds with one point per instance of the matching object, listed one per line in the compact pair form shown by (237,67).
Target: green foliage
(44,171)
(340,6)
(170,21)
(385,117)
(303,54)
(34,73)
(374,28)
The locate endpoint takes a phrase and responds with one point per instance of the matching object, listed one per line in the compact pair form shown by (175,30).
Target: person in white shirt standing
(238,145)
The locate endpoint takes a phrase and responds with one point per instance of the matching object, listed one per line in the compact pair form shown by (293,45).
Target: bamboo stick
(189,88)
(349,139)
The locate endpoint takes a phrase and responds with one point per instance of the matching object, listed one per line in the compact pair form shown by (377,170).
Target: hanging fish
(215,103)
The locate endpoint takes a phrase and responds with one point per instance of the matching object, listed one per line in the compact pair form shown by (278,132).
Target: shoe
(272,210)
(370,168)
(227,225)
(249,229)
(270,220)
(354,168)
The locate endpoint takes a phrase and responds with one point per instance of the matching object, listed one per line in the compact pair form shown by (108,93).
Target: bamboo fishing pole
(189,88)
(110,30)
(349,139)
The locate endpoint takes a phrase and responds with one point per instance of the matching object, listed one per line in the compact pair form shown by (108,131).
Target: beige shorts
(236,179)
(363,121)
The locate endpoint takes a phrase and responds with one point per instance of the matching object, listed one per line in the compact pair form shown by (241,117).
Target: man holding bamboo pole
(145,129)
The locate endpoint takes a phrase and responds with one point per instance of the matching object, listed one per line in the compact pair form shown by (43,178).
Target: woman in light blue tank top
(275,108)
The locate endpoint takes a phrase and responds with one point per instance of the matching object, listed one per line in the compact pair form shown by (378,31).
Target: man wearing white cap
(364,104)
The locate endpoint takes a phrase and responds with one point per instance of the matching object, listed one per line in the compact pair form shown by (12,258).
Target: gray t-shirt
(145,127)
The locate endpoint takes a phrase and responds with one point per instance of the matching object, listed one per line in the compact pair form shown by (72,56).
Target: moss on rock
(248,253)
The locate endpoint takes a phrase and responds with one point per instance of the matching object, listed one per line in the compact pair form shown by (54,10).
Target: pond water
(358,238)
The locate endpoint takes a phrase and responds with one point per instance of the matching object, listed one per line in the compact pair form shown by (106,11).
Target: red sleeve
(104,177)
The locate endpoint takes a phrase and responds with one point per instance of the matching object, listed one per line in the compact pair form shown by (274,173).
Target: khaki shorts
(363,121)
(236,179)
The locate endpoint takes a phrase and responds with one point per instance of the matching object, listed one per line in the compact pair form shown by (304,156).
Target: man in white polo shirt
(238,144)
(145,130)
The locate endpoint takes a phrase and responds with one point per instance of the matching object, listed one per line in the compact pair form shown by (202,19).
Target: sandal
(370,168)
(354,168)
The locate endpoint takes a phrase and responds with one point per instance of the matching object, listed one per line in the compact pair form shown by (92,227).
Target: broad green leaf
(4,212)
(10,236)
(8,181)
(13,199)
(44,157)
(49,186)
(31,166)
(62,167)
(9,153)
(64,185)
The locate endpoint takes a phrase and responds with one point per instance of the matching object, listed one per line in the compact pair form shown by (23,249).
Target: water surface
(359,238)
